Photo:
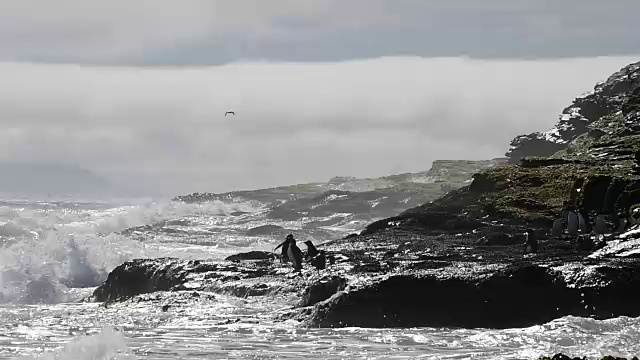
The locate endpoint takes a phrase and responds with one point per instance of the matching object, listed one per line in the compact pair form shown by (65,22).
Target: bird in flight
(229,112)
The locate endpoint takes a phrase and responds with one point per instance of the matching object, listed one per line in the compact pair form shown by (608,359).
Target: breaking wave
(47,250)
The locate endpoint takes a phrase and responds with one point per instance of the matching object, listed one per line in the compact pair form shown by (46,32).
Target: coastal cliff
(607,99)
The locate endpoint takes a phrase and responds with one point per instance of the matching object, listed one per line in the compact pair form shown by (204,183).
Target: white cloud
(295,122)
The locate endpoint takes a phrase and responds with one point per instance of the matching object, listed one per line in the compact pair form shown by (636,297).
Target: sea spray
(108,344)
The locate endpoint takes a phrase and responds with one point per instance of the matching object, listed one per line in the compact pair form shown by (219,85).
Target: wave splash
(45,251)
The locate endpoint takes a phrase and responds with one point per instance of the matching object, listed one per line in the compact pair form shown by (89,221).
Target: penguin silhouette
(319,261)
(557,230)
(583,224)
(312,251)
(285,248)
(572,224)
(622,225)
(531,244)
(295,254)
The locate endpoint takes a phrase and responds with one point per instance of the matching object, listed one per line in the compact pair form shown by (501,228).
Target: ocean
(54,253)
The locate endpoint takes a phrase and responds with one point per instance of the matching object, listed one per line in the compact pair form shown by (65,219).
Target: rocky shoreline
(399,278)
(561,356)
(461,260)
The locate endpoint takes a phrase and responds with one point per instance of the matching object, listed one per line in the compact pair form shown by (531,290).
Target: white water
(53,255)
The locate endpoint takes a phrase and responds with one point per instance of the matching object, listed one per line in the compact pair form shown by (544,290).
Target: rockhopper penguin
(285,249)
(291,252)
(312,251)
(531,244)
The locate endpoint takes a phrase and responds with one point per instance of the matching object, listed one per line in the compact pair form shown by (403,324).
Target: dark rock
(561,356)
(322,290)
(252,255)
(438,281)
(141,276)
(533,162)
(585,242)
(138,277)
(498,298)
(607,97)
(499,238)
(534,144)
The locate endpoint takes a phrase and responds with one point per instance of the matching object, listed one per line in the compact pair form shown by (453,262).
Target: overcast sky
(137,89)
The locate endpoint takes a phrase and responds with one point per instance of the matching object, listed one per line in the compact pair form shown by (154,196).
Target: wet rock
(141,276)
(561,356)
(484,296)
(498,238)
(435,281)
(138,277)
(322,290)
(251,255)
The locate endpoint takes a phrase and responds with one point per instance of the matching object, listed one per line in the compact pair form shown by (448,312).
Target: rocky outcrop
(252,255)
(141,276)
(453,173)
(607,98)
(399,278)
(561,356)
(325,210)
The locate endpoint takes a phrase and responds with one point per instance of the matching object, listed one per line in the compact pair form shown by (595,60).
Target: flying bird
(229,112)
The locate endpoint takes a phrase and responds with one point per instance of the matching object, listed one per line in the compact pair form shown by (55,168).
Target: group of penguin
(292,253)
(576,225)
(573,221)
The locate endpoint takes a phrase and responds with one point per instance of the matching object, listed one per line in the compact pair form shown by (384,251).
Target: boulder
(251,255)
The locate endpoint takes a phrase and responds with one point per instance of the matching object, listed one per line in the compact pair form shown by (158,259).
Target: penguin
(332,259)
(556,230)
(294,254)
(634,216)
(572,224)
(582,223)
(285,249)
(319,261)
(531,244)
(312,251)
(622,225)
(564,215)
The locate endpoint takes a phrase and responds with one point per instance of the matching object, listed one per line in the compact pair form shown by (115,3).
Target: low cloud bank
(295,122)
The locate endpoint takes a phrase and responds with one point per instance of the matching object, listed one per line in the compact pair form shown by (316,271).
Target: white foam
(46,252)
(108,344)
